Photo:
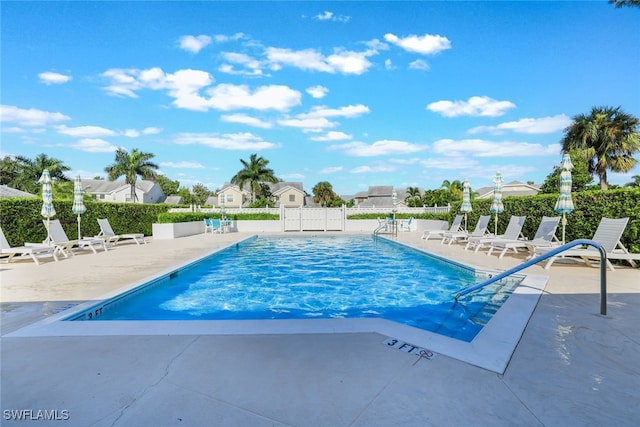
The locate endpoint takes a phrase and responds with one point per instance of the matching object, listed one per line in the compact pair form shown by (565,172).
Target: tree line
(605,139)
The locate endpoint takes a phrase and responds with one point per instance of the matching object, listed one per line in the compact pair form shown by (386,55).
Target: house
(231,196)
(119,191)
(514,188)
(380,196)
(288,194)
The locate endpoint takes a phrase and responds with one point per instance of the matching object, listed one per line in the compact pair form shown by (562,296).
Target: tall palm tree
(254,172)
(132,165)
(608,137)
(30,171)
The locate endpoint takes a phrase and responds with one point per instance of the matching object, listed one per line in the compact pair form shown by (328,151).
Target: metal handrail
(551,253)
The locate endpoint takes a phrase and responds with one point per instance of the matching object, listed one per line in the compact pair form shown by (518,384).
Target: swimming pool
(309,277)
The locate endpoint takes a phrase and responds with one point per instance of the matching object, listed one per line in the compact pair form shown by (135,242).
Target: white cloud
(273,97)
(182,165)
(194,44)
(378,148)
(308,124)
(531,126)
(185,86)
(475,106)
(85,131)
(222,38)
(151,130)
(330,16)
(418,64)
(342,61)
(347,111)
(131,133)
(332,136)
(235,141)
(51,78)
(29,117)
(253,66)
(427,44)
(388,64)
(330,170)
(247,120)
(373,169)
(482,148)
(317,91)
(292,176)
(94,145)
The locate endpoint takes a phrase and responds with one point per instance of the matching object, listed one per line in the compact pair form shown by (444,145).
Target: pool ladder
(551,253)
(392,226)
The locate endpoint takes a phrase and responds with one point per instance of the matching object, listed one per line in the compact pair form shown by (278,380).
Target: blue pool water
(314,277)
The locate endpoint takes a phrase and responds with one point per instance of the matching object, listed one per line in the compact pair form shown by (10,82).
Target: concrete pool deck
(571,367)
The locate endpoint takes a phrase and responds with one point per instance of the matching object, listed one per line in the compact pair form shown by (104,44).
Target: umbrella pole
(48,231)
(564,224)
(496,225)
(465,222)
(79,227)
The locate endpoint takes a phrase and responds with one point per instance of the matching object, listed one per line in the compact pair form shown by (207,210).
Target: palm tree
(132,165)
(323,193)
(30,171)
(608,137)
(254,172)
(635,182)
(453,187)
(413,196)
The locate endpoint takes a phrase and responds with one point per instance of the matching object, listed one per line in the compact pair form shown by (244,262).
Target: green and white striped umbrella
(496,205)
(564,204)
(466,201)
(78,203)
(47,210)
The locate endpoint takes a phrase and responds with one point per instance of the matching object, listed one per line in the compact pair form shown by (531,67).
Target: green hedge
(21,220)
(590,206)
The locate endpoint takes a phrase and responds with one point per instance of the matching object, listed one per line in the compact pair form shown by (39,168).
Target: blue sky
(354,93)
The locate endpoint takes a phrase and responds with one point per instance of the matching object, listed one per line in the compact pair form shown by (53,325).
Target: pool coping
(491,349)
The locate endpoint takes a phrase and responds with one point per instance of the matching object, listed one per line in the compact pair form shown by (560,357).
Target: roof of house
(173,200)
(380,190)
(105,186)
(507,189)
(281,186)
(14,192)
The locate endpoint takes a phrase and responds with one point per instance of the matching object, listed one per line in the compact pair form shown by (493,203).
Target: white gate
(313,219)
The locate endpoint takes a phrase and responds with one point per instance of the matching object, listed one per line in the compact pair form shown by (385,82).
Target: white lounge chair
(544,238)
(35,252)
(512,232)
(608,236)
(58,239)
(463,236)
(455,227)
(107,233)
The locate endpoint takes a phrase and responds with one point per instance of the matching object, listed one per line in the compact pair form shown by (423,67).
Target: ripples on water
(317,277)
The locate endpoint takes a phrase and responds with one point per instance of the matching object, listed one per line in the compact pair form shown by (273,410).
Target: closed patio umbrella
(47,211)
(466,201)
(564,204)
(78,202)
(496,205)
